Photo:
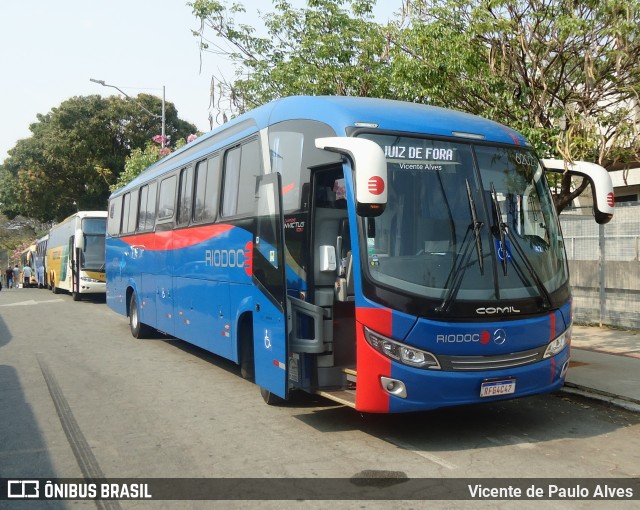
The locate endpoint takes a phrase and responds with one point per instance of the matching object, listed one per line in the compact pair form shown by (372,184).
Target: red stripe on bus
(371,365)
(176,239)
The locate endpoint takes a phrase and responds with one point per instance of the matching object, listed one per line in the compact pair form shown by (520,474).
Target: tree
(76,151)
(141,159)
(322,49)
(562,72)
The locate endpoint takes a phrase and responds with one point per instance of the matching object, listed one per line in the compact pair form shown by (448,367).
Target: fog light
(394,387)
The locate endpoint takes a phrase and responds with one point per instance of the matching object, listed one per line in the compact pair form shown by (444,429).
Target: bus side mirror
(79,239)
(601,185)
(370,166)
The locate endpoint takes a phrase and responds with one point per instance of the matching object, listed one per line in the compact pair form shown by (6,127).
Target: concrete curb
(602,396)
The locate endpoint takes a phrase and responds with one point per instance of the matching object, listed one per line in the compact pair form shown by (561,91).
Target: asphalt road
(79,397)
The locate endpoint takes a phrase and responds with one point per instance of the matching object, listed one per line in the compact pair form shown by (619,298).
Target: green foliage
(76,151)
(323,49)
(138,161)
(564,73)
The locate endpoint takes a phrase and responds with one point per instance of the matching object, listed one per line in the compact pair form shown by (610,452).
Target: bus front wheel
(271,399)
(138,330)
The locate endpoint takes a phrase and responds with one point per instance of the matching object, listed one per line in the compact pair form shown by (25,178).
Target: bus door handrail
(298,307)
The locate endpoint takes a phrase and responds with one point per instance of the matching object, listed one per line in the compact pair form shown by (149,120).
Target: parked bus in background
(28,259)
(75,254)
(41,261)
(389,256)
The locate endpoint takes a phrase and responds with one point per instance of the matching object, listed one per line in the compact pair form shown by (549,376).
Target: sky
(49,49)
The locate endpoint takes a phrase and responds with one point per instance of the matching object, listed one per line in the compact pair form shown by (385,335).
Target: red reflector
(611,201)
(376,185)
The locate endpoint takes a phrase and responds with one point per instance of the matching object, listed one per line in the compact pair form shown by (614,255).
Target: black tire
(138,329)
(271,399)
(247,365)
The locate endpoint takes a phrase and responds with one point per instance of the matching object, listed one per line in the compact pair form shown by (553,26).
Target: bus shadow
(519,422)
(5,334)
(297,399)
(91,299)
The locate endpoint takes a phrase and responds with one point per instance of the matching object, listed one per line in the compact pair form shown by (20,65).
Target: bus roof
(81,215)
(340,113)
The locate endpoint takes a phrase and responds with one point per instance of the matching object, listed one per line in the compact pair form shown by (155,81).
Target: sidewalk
(605,364)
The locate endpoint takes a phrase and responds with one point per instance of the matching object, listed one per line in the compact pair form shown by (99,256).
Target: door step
(345,397)
(351,374)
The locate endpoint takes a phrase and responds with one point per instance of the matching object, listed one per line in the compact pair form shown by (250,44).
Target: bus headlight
(401,352)
(90,280)
(558,343)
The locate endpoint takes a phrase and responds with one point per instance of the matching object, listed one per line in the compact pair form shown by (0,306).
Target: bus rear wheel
(138,329)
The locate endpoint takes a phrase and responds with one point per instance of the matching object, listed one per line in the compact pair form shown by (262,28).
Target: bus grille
(471,363)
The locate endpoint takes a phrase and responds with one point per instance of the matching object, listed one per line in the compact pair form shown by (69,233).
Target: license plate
(496,388)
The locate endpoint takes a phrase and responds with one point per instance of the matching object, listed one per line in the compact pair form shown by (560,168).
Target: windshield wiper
(458,270)
(477,225)
(504,232)
(501,226)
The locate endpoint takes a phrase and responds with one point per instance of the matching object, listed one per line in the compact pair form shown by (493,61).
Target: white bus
(75,254)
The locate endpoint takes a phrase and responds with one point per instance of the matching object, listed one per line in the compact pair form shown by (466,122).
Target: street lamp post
(102,82)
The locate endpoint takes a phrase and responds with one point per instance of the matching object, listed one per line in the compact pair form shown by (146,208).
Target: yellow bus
(75,254)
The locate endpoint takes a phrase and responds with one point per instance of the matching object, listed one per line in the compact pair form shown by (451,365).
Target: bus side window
(131,218)
(231,180)
(241,167)
(185,196)
(147,209)
(167,198)
(115,214)
(126,202)
(206,190)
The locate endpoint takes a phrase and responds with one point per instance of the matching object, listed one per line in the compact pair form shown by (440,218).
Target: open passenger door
(270,331)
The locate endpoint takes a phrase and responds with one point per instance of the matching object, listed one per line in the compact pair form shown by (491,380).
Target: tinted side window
(151,206)
(292,150)
(115,214)
(126,202)
(231,180)
(201,184)
(250,168)
(211,193)
(147,214)
(206,193)
(166,201)
(184,197)
(241,167)
(133,213)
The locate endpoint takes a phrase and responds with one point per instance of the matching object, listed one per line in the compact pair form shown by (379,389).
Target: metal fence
(604,261)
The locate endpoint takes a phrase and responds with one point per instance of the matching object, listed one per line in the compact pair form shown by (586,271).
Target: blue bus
(390,256)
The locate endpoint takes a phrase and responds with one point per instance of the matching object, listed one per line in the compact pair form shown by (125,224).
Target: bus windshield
(94,243)
(465,221)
